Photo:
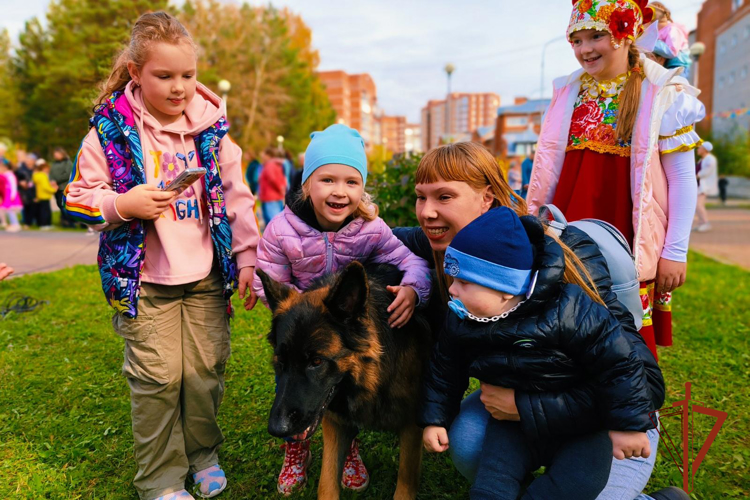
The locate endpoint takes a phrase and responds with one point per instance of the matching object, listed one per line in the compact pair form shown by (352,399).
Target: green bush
(393,190)
(732,151)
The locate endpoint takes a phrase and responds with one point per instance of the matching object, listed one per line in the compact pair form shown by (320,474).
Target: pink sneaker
(355,476)
(293,476)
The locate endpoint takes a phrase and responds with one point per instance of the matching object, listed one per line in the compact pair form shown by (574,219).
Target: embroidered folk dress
(595,177)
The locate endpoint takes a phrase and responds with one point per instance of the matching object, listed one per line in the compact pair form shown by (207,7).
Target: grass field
(65,424)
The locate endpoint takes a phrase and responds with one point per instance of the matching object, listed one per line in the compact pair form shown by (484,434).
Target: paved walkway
(729,239)
(38,251)
(43,251)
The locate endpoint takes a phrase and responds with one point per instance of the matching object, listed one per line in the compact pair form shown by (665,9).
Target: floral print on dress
(594,122)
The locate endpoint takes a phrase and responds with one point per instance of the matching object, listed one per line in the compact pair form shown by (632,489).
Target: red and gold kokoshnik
(621,18)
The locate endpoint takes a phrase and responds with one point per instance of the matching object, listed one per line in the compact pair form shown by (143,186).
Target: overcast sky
(495,45)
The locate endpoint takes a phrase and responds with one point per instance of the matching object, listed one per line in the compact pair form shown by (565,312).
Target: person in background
(514,177)
(672,49)
(708,185)
(723,183)
(526,167)
(60,173)
(295,182)
(45,190)
(272,186)
(286,161)
(24,172)
(252,172)
(10,200)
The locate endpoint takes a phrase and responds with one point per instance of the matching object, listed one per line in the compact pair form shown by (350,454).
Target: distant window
(743,73)
(516,121)
(734,40)
(721,82)
(747,32)
(731,78)
(736,4)
(722,47)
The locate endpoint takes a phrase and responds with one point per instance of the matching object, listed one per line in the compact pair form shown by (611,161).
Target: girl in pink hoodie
(332,224)
(169,262)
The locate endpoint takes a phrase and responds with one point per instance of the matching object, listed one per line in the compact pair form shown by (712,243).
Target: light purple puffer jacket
(293,253)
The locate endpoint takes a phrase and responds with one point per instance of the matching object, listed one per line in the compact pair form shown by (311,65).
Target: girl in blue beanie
(333,223)
(515,323)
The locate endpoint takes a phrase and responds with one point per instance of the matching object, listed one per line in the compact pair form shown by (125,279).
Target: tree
(267,56)
(58,70)
(10,109)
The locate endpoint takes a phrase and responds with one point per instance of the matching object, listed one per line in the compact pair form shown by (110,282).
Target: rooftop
(530,106)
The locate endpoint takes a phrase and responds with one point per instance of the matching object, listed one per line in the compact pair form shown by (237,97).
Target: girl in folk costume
(616,145)
(172,303)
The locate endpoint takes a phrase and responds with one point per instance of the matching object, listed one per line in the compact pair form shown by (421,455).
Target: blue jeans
(577,467)
(271,209)
(627,478)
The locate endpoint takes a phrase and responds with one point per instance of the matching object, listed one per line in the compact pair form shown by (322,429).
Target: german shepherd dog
(337,361)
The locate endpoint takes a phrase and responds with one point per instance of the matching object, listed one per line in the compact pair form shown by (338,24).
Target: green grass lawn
(65,424)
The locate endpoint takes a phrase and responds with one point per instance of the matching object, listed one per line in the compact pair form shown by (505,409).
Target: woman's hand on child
(670,275)
(628,444)
(144,202)
(435,439)
(500,402)
(245,285)
(402,306)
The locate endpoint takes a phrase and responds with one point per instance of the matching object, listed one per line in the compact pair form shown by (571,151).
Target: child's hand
(402,306)
(245,283)
(5,271)
(628,444)
(435,439)
(670,275)
(144,202)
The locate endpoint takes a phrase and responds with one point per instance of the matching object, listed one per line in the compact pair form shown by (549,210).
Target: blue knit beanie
(493,251)
(336,144)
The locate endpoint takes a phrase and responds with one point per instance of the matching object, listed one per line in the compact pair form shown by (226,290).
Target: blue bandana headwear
(493,251)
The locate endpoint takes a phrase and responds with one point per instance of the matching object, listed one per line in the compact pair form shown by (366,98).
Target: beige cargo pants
(175,354)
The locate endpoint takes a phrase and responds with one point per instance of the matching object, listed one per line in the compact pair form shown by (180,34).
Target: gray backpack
(616,251)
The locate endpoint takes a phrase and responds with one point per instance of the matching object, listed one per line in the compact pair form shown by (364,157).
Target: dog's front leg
(409,464)
(337,438)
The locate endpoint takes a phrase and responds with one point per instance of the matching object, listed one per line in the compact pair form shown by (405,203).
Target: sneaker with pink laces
(355,476)
(293,476)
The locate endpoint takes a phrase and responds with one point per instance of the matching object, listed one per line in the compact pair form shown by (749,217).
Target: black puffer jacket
(553,398)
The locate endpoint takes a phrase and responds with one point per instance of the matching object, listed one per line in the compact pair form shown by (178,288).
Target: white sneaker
(703,228)
(45,228)
(13,229)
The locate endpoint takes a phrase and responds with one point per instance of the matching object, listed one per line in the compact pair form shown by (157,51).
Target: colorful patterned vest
(122,249)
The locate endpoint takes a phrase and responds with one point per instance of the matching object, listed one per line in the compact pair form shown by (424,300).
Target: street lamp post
(449,69)
(696,51)
(224,87)
(544,50)
(280,141)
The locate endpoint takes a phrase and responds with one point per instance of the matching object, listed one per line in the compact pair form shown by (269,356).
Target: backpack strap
(554,216)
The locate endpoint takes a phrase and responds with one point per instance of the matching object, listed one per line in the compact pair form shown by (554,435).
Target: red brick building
(354,98)
(393,133)
(518,126)
(713,14)
(463,114)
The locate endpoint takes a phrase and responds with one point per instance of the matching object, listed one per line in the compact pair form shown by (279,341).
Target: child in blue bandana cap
(516,324)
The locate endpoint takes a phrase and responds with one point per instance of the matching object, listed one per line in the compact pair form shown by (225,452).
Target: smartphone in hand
(185,179)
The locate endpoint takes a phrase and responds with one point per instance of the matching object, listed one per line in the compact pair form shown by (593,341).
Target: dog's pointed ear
(275,292)
(348,295)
